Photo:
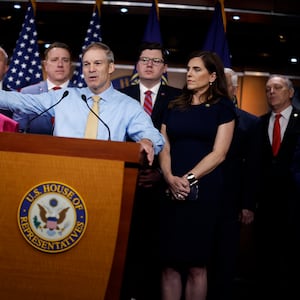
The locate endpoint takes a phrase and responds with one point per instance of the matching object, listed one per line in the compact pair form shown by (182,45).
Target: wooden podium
(103,175)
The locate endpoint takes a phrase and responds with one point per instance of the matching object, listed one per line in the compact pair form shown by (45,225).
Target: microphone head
(65,94)
(83,97)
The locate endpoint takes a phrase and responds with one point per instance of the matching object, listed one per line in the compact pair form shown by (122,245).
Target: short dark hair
(58,45)
(154,46)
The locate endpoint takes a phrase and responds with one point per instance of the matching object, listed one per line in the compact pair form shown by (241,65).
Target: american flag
(93,35)
(25,67)
(152,34)
(216,39)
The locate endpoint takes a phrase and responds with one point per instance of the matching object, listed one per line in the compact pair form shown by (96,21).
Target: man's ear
(111,68)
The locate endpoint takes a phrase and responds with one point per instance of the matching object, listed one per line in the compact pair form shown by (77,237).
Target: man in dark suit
(3,70)
(142,273)
(277,227)
(241,185)
(57,67)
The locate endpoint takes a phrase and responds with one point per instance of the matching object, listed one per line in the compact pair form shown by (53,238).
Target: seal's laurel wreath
(52,217)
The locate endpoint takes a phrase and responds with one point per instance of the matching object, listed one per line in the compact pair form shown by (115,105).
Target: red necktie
(148,102)
(276,135)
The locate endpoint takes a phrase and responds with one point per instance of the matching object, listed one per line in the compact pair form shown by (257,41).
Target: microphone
(65,94)
(83,97)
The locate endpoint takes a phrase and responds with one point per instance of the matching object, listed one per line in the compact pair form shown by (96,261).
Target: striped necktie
(91,129)
(148,102)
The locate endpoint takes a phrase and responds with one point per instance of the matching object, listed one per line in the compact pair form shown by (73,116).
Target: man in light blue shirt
(121,116)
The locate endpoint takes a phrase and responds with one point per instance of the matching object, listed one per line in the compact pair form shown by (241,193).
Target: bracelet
(192,179)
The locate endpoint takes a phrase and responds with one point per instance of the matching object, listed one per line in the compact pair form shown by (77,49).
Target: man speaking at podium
(114,115)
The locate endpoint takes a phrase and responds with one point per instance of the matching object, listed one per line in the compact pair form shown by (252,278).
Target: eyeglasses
(155,61)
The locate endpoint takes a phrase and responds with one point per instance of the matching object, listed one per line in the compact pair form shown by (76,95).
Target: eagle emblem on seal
(52,217)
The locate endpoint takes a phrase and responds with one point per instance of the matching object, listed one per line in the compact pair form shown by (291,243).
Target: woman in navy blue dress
(198,129)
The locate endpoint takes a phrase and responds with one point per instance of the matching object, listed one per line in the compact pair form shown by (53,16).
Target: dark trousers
(278,259)
(222,269)
(142,272)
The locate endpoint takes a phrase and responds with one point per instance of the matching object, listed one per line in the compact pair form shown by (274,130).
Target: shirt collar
(285,113)
(104,96)
(52,85)
(154,89)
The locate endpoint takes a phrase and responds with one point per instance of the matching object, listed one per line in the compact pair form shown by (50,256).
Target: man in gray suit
(57,67)
(241,187)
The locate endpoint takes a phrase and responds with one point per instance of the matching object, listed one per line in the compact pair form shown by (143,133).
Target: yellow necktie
(91,129)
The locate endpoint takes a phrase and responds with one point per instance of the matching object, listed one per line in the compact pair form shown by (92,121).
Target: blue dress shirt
(123,115)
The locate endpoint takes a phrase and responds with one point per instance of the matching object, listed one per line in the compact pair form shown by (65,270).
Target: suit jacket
(242,166)
(164,95)
(278,176)
(42,124)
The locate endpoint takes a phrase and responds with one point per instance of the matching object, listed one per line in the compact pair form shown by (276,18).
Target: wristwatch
(192,179)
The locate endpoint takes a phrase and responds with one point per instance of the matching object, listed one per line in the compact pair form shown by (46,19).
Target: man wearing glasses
(142,273)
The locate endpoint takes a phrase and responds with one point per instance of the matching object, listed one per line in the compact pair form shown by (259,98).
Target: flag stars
(26,50)
(93,35)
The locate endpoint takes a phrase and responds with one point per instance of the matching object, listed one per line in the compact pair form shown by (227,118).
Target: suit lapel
(161,101)
(292,124)
(136,93)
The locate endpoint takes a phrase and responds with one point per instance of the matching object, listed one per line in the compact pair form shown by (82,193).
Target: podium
(99,179)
